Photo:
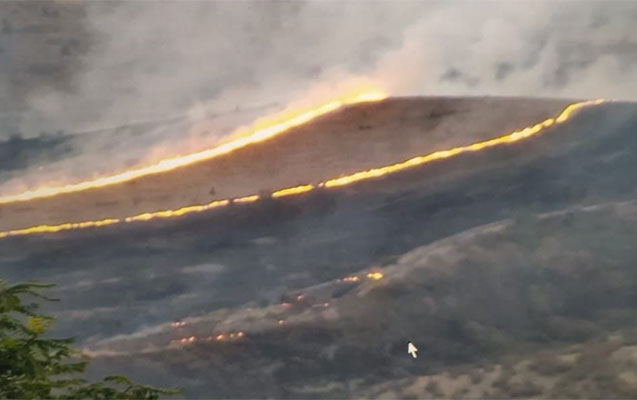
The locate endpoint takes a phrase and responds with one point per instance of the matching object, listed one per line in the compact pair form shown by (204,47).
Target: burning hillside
(359,142)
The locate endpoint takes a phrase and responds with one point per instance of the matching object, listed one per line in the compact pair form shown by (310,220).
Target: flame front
(261,131)
(438,155)
(336,182)
(292,191)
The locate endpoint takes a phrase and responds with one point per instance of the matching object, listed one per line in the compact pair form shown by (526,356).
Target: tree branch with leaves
(35,367)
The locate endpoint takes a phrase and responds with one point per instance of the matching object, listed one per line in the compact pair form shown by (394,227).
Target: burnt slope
(536,283)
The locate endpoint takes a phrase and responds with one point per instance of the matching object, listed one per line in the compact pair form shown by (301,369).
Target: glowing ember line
(258,133)
(292,191)
(62,227)
(438,155)
(247,199)
(375,275)
(178,212)
(341,181)
(219,338)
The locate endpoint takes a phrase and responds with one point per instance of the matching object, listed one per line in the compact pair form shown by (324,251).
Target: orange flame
(247,199)
(341,181)
(219,338)
(58,228)
(438,155)
(292,190)
(178,212)
(375,275)
(260,132)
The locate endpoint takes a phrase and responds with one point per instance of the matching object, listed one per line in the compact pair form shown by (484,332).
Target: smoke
(557,49)
(153,62)
(157,69)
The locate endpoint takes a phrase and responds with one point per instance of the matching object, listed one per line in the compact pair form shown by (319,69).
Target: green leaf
(39,325)
(34,367)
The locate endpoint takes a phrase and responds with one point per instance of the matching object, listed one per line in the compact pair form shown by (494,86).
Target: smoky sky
(144,60)
(84,66)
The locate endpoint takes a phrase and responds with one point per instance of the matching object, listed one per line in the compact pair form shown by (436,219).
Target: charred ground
(547,278)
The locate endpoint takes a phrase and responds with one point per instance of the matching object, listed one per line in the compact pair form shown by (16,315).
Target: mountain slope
(488,258)
(352,139)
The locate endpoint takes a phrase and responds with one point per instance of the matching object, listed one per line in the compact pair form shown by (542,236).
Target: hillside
(349,140)
(501,310)
(512,269)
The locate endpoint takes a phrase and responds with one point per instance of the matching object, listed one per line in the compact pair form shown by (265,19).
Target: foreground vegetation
(34,366)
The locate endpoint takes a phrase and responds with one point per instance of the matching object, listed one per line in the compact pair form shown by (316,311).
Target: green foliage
(35,367)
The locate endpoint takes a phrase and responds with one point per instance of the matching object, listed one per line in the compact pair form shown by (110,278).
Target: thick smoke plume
(135,77)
